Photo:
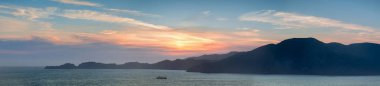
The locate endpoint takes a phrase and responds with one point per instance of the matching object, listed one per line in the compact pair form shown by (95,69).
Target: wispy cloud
(36,13)
(98,16)
(293,20)
(11,25)
(247,32)
(28,12)
(14,29)
(133,12)
(78,2)
(85,3)
(206,13)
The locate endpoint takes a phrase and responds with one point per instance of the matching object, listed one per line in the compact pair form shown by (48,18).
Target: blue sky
(51,32)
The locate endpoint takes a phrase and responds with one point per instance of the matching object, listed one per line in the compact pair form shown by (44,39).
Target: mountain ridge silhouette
(301,56)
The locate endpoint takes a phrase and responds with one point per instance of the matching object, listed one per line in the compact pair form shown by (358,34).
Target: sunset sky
(53,32)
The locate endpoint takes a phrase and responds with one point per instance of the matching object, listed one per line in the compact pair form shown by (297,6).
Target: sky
(53,32)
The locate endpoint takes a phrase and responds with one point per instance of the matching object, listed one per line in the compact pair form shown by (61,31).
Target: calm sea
(36,76)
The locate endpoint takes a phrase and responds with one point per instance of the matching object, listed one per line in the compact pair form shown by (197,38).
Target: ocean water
(36,76)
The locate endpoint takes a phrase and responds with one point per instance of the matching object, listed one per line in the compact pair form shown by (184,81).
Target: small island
(178,64)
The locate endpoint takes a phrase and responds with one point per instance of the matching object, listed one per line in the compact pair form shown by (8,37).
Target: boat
(161,77)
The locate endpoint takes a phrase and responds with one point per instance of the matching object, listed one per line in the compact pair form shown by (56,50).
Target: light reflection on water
(29,76)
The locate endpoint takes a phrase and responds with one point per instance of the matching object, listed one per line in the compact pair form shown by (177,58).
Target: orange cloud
(168,42)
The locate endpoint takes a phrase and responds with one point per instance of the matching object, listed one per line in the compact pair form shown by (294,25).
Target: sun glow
(180,44)
(186,45)
(181,41)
